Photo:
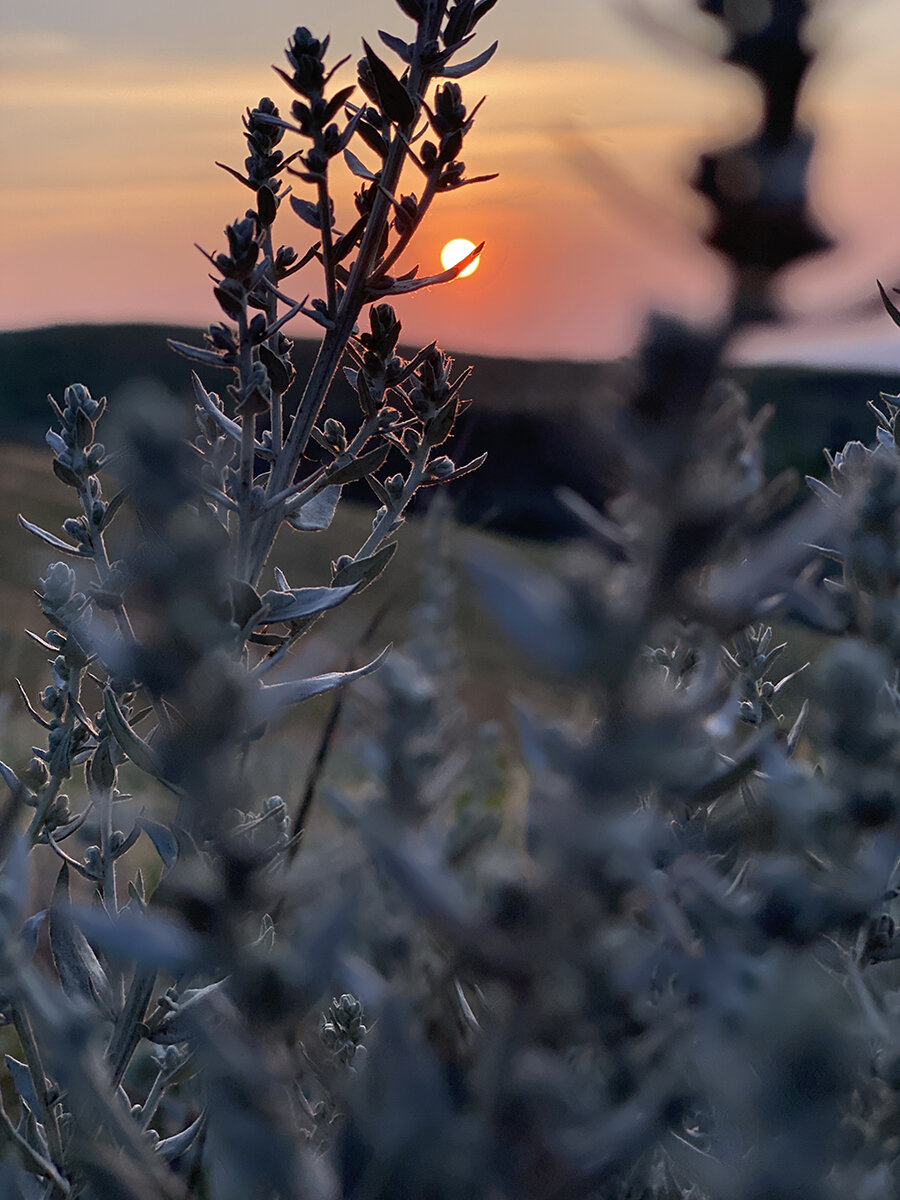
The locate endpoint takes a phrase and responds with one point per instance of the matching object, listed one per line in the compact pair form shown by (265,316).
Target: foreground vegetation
(668,972)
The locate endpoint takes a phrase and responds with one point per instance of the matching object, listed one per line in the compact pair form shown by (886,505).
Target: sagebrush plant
(681,981)
(169,651)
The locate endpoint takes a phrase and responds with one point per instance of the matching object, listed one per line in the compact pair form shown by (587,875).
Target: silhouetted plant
(169,630)
(681,982)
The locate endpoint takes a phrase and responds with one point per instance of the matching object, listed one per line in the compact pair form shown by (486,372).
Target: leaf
(395,100)
(373,139)
(439,427)
(306,211)
(50,538)
(21,1077)
(358,168)
(128,1030)
(787,679)
(209,358)
(481,10)
(402,49)
(279,370)
(232,428)
(459,23)
(365,570)
(163,839)
(65,474)
(474,64)
(337,102)
(347,241)
(796,732)
(358,468)
(276,696)
(231,304)
(892,310)
(379,491)
(465,469)
(80,973)
(28,934)
(318,513)
(172,1147)
(11,779)
(183,1023)
(245,603)
(455,185)
(401,286)
(54,650)
(822,490)
(134,746)
(302,602)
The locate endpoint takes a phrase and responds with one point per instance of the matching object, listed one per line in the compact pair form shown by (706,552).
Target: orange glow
(455,251)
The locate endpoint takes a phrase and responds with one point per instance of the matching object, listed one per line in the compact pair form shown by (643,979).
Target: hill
(534,418)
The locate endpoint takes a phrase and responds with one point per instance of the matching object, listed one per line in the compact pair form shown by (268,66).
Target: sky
(112,116)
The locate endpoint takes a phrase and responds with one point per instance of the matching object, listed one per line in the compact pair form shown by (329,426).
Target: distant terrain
(535,419)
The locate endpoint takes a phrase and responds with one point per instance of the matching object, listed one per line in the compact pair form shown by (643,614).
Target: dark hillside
(534,418)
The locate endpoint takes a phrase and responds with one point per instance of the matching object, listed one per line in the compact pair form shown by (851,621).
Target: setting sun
(455,252)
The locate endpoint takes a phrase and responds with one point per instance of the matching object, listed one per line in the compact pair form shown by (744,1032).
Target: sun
(455,251)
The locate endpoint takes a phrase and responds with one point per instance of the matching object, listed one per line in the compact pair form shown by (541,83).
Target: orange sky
(108,136)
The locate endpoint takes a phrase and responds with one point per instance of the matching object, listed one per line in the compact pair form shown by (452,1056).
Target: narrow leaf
(209,358)
(11,779)
(164,841)
(173,1147)
(357,167)
(196,1004)
(318,513)
(365,570)
(396,103)
(138,751)
(358,468)
(276,696)
(796,732)
(21,1077)
(482,10)
(306,211)
(822,490)
(302,602)
(232,428)
(347,241)
(127,1032)
(79,970)
(474,64)
(402,49)
(892,310)
(465,469)
(401,286)
(28,934)
(787,679)
(337,102)
(50,538)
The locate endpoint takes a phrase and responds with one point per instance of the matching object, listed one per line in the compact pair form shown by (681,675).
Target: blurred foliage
(650,953)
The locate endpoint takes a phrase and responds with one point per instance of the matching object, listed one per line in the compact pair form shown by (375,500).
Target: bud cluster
(342,1028)
(76,455)
(749,660)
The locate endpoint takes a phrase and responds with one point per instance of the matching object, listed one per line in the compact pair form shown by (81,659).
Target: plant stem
(333,344)
(39,1079)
